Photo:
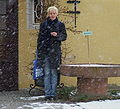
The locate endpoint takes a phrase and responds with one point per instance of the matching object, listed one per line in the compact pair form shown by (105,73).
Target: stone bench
(91,78)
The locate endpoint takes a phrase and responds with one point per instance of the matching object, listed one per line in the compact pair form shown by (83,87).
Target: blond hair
(52,8)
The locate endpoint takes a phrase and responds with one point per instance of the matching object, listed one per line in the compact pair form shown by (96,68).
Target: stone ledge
(86,71)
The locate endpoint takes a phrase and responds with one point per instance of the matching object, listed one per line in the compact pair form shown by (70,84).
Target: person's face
(52,14)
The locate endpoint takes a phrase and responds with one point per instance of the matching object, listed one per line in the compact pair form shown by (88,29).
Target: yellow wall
(27,45)
(99,16)
(102,18)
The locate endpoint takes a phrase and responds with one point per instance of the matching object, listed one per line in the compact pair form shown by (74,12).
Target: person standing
(51,33)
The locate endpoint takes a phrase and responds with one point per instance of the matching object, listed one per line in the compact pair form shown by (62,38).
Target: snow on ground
(107,104)
(31,98)
(92,65)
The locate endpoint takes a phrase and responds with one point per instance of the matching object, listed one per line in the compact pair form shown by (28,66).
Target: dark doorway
(8,45)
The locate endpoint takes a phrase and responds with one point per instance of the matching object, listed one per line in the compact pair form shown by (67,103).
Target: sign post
(87,34)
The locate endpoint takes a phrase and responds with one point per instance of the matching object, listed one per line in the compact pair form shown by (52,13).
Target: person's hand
(53,33)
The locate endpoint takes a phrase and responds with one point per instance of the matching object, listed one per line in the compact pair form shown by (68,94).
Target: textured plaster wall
(102,18)
(27,45)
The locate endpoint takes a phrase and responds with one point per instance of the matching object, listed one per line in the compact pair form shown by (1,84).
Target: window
(35,13)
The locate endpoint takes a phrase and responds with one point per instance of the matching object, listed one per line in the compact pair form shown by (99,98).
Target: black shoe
(47,98)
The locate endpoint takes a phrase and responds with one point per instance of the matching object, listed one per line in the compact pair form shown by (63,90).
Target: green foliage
(65,92)
(69,94)
(114,92)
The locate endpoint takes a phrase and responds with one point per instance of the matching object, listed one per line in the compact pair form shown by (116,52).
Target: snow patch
(107,104)
(92,65)
(118,94)
(52,106)
(32,98)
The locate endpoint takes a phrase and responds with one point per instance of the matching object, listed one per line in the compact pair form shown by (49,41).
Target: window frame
(30,16)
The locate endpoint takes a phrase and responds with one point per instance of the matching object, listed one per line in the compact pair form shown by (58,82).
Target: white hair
(52,8)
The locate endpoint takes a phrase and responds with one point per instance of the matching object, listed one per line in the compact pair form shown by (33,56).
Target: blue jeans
(50,79)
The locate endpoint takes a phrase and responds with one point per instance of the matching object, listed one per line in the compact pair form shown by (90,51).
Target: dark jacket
(50,46)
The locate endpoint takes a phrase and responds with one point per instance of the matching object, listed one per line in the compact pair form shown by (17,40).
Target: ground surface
(22,100)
